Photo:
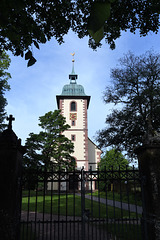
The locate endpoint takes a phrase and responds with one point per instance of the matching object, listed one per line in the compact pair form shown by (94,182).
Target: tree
(125,15)
(26,23)
(135,95)
(4,86)
(49,148)
(113,159)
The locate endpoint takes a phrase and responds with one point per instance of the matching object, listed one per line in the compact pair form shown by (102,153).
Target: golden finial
(73,56)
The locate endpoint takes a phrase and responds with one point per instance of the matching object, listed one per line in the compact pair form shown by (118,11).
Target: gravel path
(124,206)
(52,227)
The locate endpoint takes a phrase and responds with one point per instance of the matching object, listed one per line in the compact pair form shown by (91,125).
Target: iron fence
(82,205)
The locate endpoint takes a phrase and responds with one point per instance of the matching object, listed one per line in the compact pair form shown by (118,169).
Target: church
(74,104)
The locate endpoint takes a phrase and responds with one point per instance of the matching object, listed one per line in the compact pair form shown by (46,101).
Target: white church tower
(74,103)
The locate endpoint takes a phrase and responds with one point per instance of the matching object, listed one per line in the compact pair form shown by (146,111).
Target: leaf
(97,36)
(43,39)
(31,61)
(36,44)
(28,55)
(100,12)
(18,52)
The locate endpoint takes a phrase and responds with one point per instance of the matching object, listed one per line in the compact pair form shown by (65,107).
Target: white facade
(94,155)
(78,132)
(74,103)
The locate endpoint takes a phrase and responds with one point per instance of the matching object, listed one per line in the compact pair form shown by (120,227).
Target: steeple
(73,76)
(73,90)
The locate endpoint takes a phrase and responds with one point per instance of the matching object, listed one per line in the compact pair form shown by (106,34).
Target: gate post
(149,166)
(11,153)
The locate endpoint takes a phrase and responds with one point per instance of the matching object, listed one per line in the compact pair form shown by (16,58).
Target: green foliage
(26,23)
(100,12)
(135,95)
(113,159)
(137,15)
(50,148)
(4,86)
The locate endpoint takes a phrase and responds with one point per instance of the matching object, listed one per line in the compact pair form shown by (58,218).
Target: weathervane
(73,62)
(73,56)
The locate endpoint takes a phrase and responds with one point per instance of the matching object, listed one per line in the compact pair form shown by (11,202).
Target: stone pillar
(149,165)
(11,153)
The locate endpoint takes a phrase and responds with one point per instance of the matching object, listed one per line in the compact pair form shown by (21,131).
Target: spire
(73,72)
(73,76)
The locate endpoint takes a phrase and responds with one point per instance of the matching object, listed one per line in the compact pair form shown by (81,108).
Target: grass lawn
(71,205)
(131,198)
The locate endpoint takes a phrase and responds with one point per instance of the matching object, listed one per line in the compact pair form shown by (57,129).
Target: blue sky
(34,89)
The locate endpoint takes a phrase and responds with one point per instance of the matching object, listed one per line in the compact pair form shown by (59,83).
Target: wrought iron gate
(86,205)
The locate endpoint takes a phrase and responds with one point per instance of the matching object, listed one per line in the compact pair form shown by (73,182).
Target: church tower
(74,103)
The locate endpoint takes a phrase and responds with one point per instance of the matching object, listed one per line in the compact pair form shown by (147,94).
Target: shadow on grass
(70,205)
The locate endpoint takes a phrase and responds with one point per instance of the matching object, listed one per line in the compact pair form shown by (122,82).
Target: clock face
(73,116)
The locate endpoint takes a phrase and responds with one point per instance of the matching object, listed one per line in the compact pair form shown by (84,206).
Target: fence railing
(81,205)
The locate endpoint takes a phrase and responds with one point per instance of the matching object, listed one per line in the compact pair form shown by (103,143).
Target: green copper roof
(73,89)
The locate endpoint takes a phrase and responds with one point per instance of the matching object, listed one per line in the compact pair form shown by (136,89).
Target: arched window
(73,137)
(73,106)
(73,123)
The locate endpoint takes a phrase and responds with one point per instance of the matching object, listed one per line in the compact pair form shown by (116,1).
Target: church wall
(94,155)
(85,125)
(79,130)
(78,143)
(61,106)
(91,155)
(66,112)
